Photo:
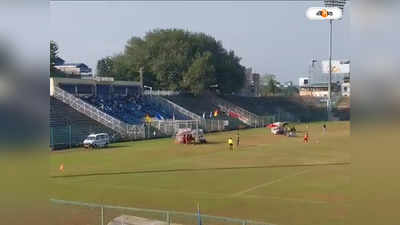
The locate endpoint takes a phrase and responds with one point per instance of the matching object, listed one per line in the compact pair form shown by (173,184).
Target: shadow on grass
(208,143)
(114,147)
(213,143)
(202,169)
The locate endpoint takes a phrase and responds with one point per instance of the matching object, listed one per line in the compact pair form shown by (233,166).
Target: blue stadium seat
(131,108)
(68,88)
(122,102)
(85,89)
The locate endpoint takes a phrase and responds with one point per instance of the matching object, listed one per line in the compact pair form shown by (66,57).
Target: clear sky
(270,36)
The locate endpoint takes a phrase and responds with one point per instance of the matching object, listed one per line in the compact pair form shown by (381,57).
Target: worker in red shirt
(306,137)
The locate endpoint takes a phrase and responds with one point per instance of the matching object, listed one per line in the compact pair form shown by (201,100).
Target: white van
(96,140)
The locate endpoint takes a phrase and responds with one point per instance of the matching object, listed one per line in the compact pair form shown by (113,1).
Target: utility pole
(141,76)
(197,131)
(340,4)
(329,102)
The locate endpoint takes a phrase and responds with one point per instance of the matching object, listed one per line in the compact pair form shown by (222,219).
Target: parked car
(96,140)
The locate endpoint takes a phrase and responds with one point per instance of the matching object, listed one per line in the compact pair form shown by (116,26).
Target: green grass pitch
(274,179)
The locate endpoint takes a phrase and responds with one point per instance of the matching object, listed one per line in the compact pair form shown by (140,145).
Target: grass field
(273,179)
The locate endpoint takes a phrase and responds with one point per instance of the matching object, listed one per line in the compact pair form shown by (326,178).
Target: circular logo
(324,13)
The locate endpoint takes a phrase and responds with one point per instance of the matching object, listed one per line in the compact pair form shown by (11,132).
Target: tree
(290,91)
(266,77)
(54,59)
(175,59)
(122,69)
(200,74)
(272,88)
(105,67)
(53,53)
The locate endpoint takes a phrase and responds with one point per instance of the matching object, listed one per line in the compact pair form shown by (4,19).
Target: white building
(288,84)
(75,69)
(304,81)
(251,87)
(319,90)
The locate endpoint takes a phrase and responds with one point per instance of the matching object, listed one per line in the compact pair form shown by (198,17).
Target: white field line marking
(269,183)
(207,194)
(216,195)
(285,199)
(155,189)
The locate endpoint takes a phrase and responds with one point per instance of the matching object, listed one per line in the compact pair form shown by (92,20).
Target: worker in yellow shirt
(230,143)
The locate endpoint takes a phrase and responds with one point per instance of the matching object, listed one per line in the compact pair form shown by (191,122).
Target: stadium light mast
(340,4)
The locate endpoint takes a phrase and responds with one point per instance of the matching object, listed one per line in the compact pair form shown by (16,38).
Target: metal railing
(167,128)
(171,127)
(175,107)
(335,99)
(212,125)
(90,111)
(98,79)
(117,215)
(157,128)
(62,137)
(160,92)
(136,132)
(245,116)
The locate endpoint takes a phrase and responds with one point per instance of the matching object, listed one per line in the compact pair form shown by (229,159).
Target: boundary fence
(73,135)
(99,214)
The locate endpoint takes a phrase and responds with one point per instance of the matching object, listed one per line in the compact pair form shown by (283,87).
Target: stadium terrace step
(177,108)
(245,116)
(69,127)
(280,108)
(343,103)
(91,111)
(341,111)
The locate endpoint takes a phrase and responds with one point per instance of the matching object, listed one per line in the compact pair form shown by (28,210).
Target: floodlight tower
(335,3)
(340,4)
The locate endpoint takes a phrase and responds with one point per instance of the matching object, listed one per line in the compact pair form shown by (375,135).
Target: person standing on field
(230,143)
(306,137)
(184,139)
(324,128)
(237,140)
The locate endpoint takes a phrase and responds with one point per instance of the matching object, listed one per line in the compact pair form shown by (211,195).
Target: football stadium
(263,178)
(176,128)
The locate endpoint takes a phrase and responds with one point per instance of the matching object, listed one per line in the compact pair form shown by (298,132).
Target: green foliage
(271,88)
(200,74)
(53,53)
(57,73)
(105,67)
(265,79)
(53,58)
(175,59)
(290,91)
(122,70)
